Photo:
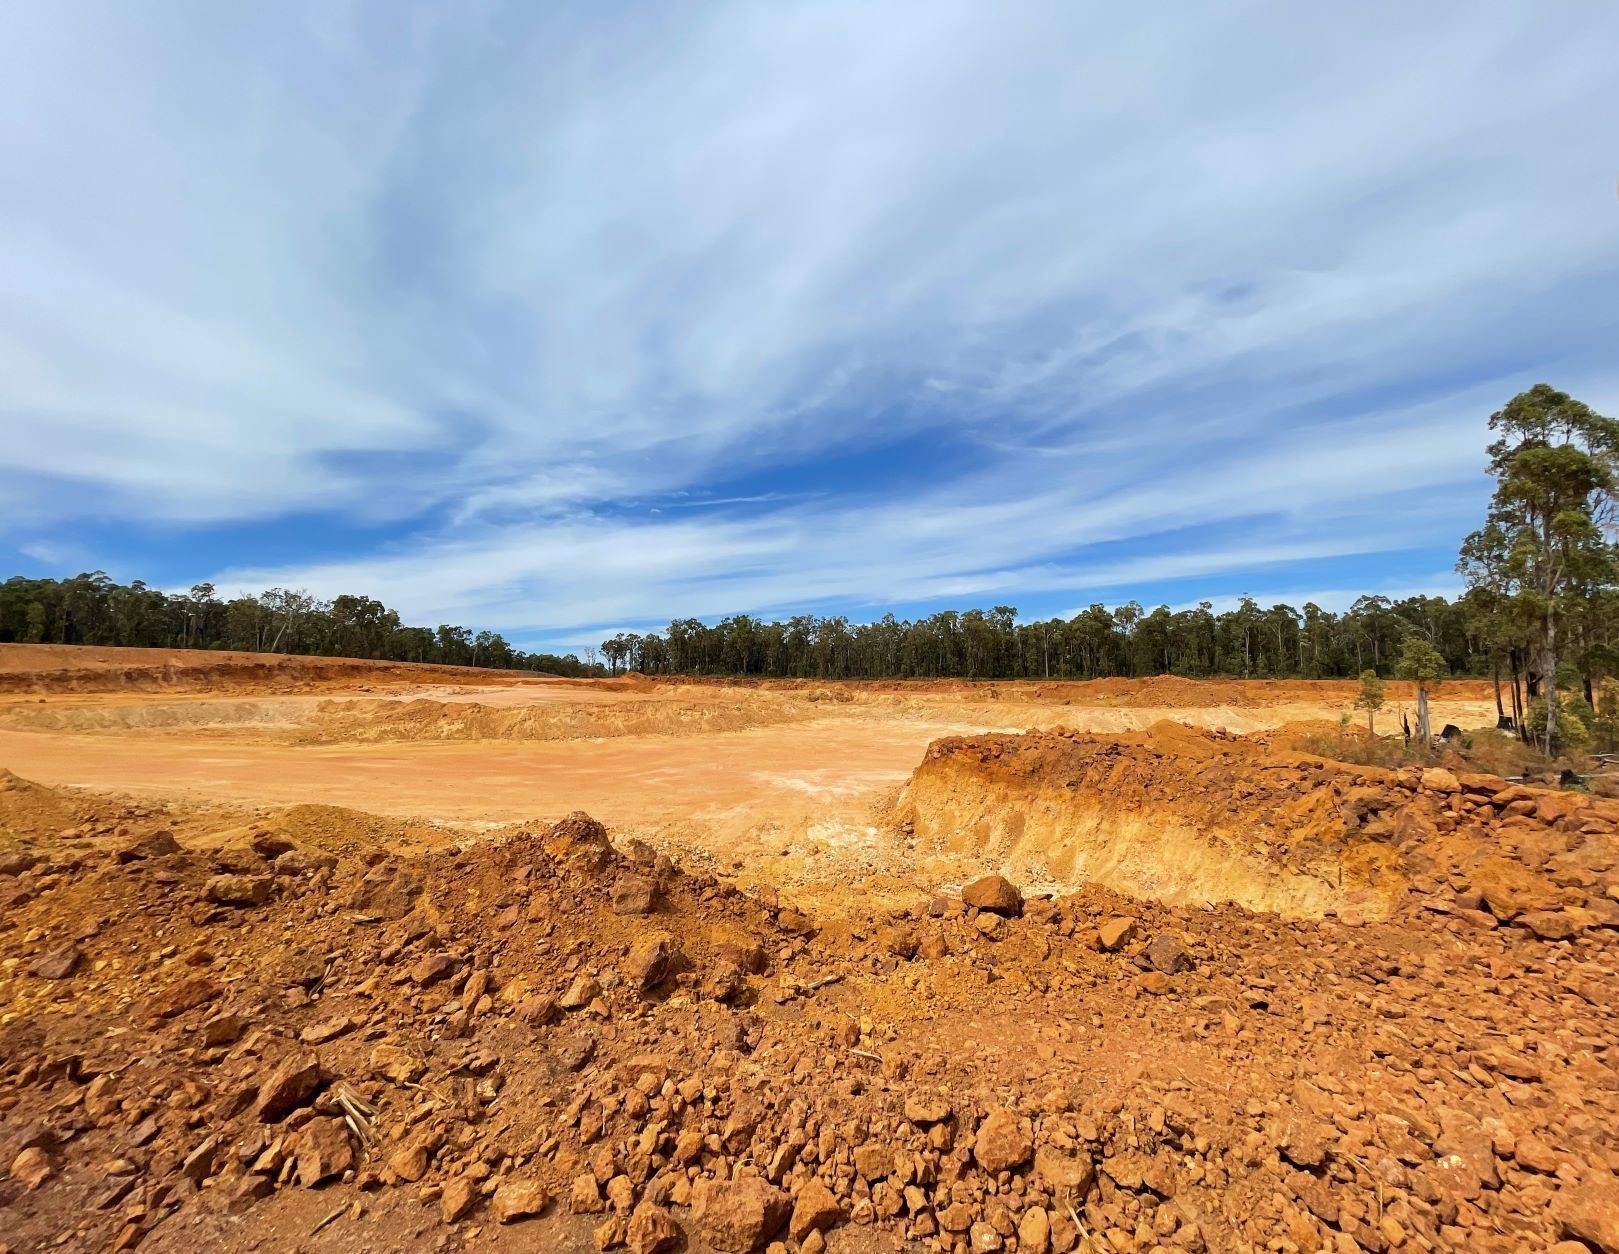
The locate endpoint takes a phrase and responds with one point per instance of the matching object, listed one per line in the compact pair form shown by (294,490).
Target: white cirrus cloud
(503,280)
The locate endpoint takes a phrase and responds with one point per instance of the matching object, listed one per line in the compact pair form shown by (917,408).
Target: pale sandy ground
(795,800)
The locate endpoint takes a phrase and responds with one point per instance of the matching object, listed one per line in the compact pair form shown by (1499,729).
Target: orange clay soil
(281,970)
(318,1029)
(785,783)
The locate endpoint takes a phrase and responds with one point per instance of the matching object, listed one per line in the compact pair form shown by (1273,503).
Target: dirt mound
(376,721)
(279,1031)
(1186,815)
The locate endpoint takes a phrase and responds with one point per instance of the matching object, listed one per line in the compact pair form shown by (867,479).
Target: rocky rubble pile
(541,1041)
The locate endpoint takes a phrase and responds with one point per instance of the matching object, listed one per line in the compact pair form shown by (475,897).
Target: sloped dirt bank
(51,668)
(362,721)
(158,716)
(1197,817)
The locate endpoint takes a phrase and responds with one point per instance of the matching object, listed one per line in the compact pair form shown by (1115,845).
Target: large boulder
(651,960)
(581,842)
(1169,954)
(1589,1212)
(738,1216)
(1004,1141)
(1509,888)
(994,893)
(291,1085)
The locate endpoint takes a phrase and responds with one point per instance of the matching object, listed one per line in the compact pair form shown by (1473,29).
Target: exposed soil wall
(1188,816)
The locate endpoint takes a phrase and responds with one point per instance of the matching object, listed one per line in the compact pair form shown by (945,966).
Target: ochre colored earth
(321,954)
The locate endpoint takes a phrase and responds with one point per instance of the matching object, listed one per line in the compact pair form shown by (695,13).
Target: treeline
(1249,640)
(92,609)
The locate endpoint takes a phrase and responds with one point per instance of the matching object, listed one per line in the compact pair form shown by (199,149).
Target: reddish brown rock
(324,1151)
(433,968)
(814,1210)
(1169,954)
(202,1161)
(291,1085)
(738,1216)
(410,1161)
(634,894)
(1550,924)
(1116,933)
(1066,1174)
(650,960)
(1004,1141)
(519,1199)
(58,964)
(16,861)
(239,890)
(926,1109)
(1589,1211)
(1509,888)
(153,845)
(580,841)
(396,1064)
(652,1230)
(183,995)
(457,1199)
(1438,779)
(898,941)
(32,1167)
(994,893)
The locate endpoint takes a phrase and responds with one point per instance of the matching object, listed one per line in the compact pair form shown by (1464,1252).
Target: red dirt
(301,1026)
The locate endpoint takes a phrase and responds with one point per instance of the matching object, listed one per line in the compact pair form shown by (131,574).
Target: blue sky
(571,318)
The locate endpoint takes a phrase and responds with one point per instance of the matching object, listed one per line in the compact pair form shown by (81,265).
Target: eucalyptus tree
(1556,465)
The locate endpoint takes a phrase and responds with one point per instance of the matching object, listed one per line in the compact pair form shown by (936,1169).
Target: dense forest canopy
(92,609)
(1542,600)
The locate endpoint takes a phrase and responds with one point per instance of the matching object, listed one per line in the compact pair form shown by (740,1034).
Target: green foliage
(1542,575)
(1371,692)
(1421,663)
(1542,570)
(1605,723)
(1370,697)
(92,609)
(1096,643)
(1576,723)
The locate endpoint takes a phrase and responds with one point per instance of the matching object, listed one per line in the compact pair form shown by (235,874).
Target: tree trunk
(1495,676)
(1549,667)
(1422,716)
(1517,696)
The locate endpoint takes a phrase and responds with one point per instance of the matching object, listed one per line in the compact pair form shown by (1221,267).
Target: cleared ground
(783,783)
(291,957)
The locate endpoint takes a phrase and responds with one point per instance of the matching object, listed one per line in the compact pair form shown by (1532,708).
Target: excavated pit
(1173,814)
